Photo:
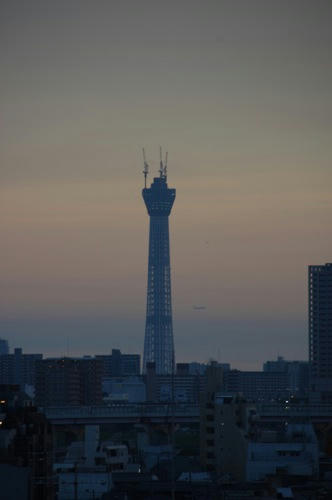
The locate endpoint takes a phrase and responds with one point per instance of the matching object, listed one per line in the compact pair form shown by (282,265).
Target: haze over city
(238,93)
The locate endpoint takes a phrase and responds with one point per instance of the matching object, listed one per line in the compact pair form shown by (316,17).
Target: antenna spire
(146,168)
(163,165)
(161,168)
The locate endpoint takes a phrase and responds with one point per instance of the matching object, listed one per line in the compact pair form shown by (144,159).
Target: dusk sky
(239,93)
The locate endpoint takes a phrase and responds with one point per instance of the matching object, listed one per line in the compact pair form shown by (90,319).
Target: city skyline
(239,96)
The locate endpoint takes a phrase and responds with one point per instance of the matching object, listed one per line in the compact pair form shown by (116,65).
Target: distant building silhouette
(18,368)
(298,374)
(187,386)
(4,349)
(158,342)
(120,365)
(320,331)
(124,390)
(257,386)
(68,382)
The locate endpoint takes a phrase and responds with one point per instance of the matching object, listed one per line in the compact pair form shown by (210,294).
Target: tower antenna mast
(165,165)
(146,168)
(161,168)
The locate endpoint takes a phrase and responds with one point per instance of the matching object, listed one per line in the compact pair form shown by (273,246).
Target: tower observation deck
(158,341)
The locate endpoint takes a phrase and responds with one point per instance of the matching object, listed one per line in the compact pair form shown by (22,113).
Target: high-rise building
(4,349)
(68,382)
(158,342)
(320,331)
(18,368)
(120,365)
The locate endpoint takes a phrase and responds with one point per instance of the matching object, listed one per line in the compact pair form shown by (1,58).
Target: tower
(158,341)
(320,331)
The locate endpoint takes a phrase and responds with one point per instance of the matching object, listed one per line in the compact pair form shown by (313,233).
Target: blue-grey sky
(239,93)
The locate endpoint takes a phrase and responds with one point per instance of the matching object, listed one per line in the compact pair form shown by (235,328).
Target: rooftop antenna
(146,168)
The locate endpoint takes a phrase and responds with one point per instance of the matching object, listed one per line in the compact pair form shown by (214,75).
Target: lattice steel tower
(158,341)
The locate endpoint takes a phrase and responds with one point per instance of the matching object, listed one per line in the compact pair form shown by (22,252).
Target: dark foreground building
(26,449)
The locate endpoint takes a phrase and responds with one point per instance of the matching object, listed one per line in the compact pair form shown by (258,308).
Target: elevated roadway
(184,413)
(123,413)
(315,413)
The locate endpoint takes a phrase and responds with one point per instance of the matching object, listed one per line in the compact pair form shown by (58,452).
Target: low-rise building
(235,444)
(83,483)
(124,389)
(86,471)
(291,450)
